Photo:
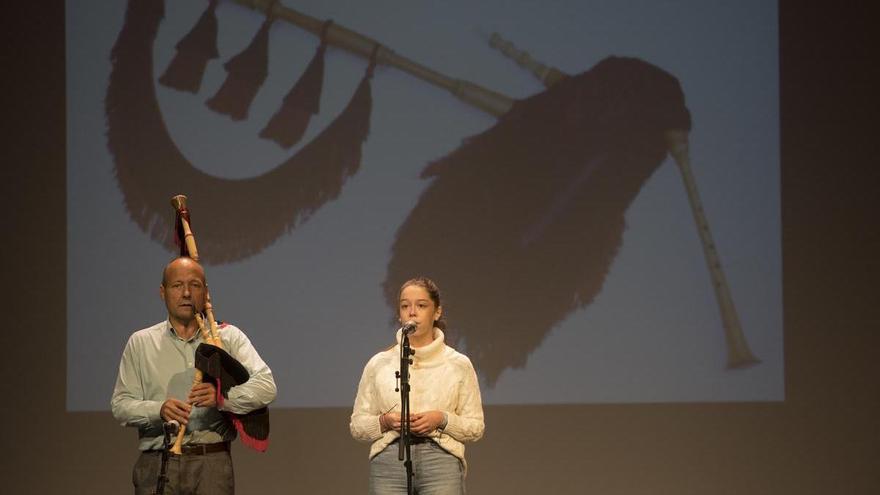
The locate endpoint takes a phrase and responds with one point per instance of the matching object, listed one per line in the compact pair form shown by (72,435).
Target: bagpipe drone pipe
(213,364)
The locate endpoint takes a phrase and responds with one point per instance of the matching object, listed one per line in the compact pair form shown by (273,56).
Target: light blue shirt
(157,365)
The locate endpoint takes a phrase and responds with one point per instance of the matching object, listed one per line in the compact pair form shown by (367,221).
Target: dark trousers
(206,474)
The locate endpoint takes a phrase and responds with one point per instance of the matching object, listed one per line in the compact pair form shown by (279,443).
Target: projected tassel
(247,72)
(289,124)
(194,51)
(350,129)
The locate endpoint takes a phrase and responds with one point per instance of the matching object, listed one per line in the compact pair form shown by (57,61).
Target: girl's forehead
(414,292)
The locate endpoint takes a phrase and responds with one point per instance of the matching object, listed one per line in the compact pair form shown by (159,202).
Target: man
(155,386)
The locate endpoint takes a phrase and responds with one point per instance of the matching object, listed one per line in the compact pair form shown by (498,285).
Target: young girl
(444,393)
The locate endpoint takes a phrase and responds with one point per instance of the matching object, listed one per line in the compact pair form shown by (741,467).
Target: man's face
(183,290)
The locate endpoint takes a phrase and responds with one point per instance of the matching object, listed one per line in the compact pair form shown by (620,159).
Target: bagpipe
(213,364)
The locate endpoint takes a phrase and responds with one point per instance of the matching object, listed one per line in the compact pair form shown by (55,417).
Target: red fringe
(260,445)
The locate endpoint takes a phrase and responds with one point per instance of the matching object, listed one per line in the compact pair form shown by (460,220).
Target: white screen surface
(312,301)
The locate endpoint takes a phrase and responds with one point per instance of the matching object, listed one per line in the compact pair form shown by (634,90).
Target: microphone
(408,328)
(171,427)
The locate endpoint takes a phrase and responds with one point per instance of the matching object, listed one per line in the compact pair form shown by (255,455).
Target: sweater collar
(431,353)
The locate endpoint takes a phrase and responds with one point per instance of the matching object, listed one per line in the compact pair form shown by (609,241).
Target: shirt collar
(169,330)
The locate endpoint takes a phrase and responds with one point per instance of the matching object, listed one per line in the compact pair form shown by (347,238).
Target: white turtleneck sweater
(441,379)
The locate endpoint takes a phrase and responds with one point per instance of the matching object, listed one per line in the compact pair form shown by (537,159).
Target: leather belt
(204,448)
(199,449)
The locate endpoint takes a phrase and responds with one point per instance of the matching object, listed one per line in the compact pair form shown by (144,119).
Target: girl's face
(416,305)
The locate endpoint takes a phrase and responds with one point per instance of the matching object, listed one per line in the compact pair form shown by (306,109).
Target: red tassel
(179,236)
(289,124)
(260,445)
(193,53)
(253,428)
(247,71)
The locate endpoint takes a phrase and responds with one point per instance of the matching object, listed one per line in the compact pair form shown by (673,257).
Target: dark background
(824,438)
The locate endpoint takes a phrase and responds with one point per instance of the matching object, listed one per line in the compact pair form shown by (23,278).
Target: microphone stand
(404,445)
(170,430)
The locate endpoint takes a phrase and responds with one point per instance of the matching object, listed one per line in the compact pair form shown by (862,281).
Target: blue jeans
(435,471)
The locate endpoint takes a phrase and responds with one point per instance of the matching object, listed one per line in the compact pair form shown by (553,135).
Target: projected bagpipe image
(527,215)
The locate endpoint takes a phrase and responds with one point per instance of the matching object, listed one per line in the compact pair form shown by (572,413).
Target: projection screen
(555,222)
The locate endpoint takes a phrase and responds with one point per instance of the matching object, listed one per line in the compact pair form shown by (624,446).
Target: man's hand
(203,395)
(173,409)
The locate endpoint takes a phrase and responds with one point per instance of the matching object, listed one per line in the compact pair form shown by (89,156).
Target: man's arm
(259,391)
(128,402)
